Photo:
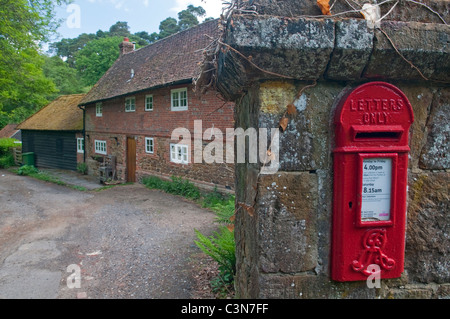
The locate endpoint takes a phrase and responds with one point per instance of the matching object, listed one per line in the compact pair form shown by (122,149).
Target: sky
(89,16)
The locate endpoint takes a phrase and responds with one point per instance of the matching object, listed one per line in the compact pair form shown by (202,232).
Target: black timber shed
(51,133)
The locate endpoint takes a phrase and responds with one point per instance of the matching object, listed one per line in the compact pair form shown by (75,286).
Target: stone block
(310,286)
(436,152)
(427,232)
(298,48)
(305,144)
(354,42)
(286,210)
(424,45)
(421,98)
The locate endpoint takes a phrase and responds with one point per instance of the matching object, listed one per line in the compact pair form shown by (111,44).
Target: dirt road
(123,242)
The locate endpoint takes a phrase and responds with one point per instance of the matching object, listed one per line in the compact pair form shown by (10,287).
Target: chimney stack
(126,46)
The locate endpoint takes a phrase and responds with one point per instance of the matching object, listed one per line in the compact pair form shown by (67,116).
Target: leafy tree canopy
(23,25)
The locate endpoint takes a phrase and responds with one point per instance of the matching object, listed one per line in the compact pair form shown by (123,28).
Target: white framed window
(130,104)
(100,147)
(149,102)
(80,145)
(179,100)
(179,153)
(149,145)
(98,109)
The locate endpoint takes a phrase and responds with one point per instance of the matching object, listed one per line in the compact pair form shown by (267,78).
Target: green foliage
(119,29)
(30,170)
(220,247)
(23,24)
(22,81)
(6,160)
(96,58)
(222,205)
(66,79)
(6,144)
(176,186)
(82,168)
(188,17)
(6,156)
(27,170)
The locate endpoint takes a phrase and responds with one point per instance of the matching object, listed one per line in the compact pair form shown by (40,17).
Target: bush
(6,156)
(6,144)
(82,168)
(27,170)
(222,205)
(220,247)
(176,186)
(6,161)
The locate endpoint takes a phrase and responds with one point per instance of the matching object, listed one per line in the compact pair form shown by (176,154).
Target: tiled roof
(63,114)
(8,131)
(170,60)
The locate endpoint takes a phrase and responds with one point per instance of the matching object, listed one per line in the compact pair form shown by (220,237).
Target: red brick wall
(115,125)
(80,156)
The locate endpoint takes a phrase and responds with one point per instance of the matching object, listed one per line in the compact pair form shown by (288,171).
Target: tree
(167,27)
(66,79)
(120,28)
(23,24)
(188,17)
(96,58)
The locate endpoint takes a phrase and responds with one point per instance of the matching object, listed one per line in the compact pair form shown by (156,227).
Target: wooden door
(131,159)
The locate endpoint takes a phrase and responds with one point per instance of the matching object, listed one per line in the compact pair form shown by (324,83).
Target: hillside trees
(23,86)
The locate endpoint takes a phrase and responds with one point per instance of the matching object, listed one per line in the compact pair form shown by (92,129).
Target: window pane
(149,103)
(183,98)
(172,152)
(175,98)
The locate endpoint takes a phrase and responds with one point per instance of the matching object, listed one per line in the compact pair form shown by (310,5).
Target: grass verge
(30,170)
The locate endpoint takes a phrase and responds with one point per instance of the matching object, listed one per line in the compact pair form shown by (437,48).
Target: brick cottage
(131,112)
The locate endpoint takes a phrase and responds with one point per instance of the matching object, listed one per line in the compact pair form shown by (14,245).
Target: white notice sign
(376,189)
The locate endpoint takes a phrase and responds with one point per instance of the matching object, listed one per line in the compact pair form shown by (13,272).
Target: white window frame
(80,145)
(100,147)
(177,103)
(130,104)
(179,153)
(149,145)
(99,109)
(148,103)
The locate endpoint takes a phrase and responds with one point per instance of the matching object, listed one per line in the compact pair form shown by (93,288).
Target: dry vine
(207,75)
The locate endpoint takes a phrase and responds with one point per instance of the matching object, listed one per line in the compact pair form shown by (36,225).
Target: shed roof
(63,114)
(169,60)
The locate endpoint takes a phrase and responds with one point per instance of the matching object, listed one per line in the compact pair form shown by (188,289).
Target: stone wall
(284,220)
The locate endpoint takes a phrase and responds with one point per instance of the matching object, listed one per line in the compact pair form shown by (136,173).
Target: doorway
(131,159)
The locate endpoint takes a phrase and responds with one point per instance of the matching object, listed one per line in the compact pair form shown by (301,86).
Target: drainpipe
(81,107)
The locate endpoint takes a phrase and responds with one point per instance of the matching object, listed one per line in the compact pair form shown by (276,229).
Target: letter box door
(370,178)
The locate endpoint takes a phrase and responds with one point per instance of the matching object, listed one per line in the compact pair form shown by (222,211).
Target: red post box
(370,167)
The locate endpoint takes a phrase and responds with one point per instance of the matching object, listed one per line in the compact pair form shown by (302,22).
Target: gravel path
(126,242)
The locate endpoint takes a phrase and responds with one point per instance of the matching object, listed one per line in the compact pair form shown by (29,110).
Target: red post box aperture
(370,179)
